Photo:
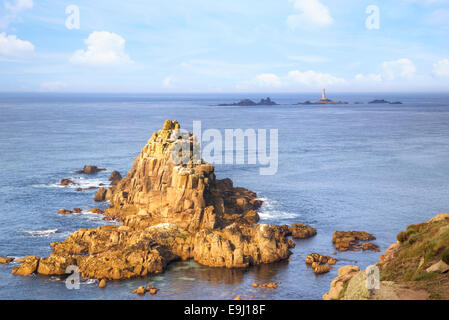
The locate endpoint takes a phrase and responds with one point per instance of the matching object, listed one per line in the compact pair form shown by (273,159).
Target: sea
(366,167)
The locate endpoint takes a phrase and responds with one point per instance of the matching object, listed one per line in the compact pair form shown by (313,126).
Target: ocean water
(376,168)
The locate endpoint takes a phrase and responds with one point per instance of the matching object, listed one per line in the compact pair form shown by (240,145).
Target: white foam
(81,182)
(88,281)
(41,233)
(270,210)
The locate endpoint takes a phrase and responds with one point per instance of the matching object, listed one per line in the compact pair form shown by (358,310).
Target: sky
(224,46)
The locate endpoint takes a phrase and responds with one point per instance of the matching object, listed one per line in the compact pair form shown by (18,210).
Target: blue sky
(224,46)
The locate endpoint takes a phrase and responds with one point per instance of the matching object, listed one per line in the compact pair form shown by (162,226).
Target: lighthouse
(323,96)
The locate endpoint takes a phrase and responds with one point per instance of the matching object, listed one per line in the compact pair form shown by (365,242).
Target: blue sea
(376,168)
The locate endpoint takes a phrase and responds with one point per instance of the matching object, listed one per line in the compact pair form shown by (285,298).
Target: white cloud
(12,47)
(312,13)
(311,78)
(103,48)
(401,68)
(398,69)
(52,86)
(267,80)
(168,82)
(441,68)
(19,5)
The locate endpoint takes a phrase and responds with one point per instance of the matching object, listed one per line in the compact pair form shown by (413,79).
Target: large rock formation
(186,194)
(168,211)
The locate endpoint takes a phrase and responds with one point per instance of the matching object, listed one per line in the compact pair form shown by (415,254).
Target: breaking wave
(41,233)
(81,182)
(271,210)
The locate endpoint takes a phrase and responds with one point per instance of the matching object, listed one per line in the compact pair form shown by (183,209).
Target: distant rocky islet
(322,101)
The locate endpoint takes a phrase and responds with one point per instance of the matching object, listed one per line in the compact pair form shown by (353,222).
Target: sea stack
(169,212)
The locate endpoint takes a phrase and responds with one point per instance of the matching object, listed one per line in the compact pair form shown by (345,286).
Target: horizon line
(221,92)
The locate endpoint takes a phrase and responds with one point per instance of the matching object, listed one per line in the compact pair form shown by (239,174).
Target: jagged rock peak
(186,194)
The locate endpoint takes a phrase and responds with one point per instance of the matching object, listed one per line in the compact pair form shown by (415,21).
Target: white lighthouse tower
(323,96)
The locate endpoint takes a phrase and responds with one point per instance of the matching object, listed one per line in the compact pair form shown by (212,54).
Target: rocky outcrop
(6,260)
(96,210)
(168,211)
(318,262)
(67,182)
(102,284)
(302,231)
(382,101)
(29,266)
(90,170)
(249,102)
(350,240)
(115,177)
(339,284)
(65,211)
(100,195)
(370,246)
(414,268)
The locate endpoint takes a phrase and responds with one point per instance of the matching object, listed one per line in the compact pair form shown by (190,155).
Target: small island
(323,100)
(249,102)
(384,102)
